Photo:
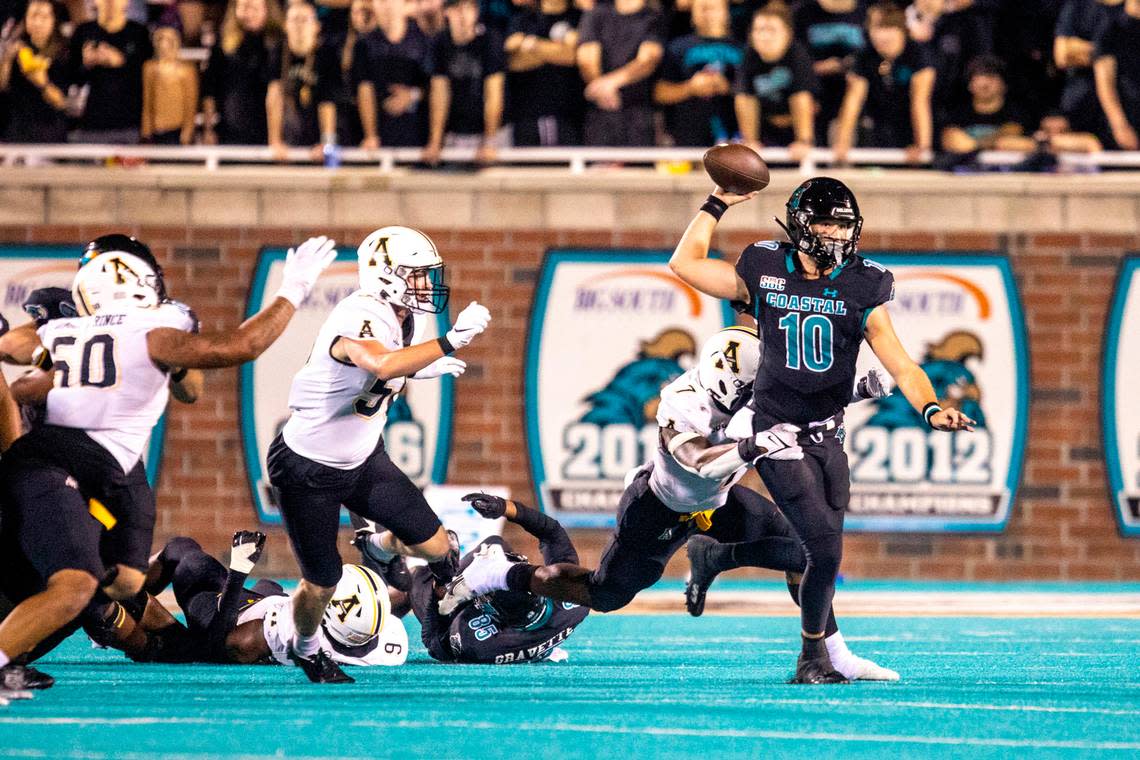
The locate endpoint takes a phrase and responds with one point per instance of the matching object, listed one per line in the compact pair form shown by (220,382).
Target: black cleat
(15,677)
(702,572)
(816,671)
(321,668)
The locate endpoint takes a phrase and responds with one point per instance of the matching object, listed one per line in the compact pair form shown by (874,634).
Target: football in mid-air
(736,168)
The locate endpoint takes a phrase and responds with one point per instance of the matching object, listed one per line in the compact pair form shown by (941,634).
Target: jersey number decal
(808,341)
(98,351)
(372,400)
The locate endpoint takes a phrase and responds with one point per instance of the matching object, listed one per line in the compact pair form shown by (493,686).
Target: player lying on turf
(689,486)
(229,623)
(501,627)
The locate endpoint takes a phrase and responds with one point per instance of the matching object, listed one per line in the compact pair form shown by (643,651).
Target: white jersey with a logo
(339,409)
(686,407)
(105,381)
(390,647)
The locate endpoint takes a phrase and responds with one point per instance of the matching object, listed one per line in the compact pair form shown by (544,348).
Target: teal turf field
(635,686)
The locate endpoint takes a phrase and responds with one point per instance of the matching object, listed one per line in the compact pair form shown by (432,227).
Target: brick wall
(1063,526)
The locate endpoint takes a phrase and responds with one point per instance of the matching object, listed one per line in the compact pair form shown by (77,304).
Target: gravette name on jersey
(812,329)
(686,407)
(339,410)
(389,647)
(105,381)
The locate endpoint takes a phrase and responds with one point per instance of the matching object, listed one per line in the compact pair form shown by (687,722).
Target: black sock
(813,649)
(520,576)
(832,626)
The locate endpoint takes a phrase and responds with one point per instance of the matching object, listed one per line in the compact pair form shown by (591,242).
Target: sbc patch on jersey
(608,330)
(418,431)
(1121,403)
(24,269)
(960,318)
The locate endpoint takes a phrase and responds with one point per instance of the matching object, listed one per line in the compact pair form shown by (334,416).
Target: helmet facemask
(826,252)
(424,290)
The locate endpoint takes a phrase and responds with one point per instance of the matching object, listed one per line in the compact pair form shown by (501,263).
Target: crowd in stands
(952,76)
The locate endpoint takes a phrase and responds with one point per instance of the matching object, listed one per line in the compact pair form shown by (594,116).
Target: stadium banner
(608,329)
(417,434)
(959,316)
(25,268)
(1120,406)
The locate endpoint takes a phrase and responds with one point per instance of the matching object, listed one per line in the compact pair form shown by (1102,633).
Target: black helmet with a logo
(823,199)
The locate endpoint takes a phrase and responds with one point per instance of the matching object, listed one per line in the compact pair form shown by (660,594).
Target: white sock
(376,551)
(306,646)
(837,649)
(4,660)
(488,575)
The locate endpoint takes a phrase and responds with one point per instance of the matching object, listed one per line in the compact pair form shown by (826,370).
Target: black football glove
(491,507)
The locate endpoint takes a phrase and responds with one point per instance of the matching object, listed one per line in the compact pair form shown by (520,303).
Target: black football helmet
(46,304)
(823,199)
(126,244)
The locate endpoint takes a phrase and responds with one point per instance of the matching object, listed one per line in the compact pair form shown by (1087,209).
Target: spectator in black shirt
(1117,70)
(620,47)
(775,86)
(391,68)
(361,21)
(546,103)
(305,112)
(244,67)
(467,86)
(1080,24)
(697,78)
(832,33)
(34,78)
(108,54)
(894,79)
(988,120)
(963,32)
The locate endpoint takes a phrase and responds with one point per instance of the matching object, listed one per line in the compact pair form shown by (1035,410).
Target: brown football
(736,168)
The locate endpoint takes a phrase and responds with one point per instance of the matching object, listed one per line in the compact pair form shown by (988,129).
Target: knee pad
(178,547)
(824,553)
(609,595)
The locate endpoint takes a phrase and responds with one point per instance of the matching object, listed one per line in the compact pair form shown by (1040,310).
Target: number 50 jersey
(339,409)
(811,329)
(106,384)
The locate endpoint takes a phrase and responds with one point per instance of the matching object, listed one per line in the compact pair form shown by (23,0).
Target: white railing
(576,159)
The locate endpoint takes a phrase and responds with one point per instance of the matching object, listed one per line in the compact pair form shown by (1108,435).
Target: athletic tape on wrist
(714,207)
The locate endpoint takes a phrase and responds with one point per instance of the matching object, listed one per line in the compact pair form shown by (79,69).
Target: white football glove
(303,265)
(470,322)
(448,365)
(779,442)
(874,384)
(245,550)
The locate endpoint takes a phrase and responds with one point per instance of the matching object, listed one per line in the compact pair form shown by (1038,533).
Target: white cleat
(857,668)
(7,696)
(486,573)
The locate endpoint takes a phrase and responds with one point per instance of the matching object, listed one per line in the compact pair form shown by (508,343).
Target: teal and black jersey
(812,329)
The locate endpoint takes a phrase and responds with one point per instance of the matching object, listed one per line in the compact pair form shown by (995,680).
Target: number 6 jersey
(106,384)
(339,409)
(811,329)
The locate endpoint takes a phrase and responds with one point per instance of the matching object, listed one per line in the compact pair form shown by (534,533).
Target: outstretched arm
(691,262)
(911,380)
(553,540)
(177,348)
(244,554)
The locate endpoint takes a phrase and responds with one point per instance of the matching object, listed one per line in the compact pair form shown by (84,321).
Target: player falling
(815,300)
(331,451)
(690,488)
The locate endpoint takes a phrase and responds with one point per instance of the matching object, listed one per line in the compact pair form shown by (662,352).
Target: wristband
(179,376)
(445,345)
(714,207)
(749,451)
(929,411)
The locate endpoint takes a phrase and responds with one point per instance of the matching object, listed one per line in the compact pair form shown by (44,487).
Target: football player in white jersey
(331,452)
(689,486)
(110,370)
(229,623)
